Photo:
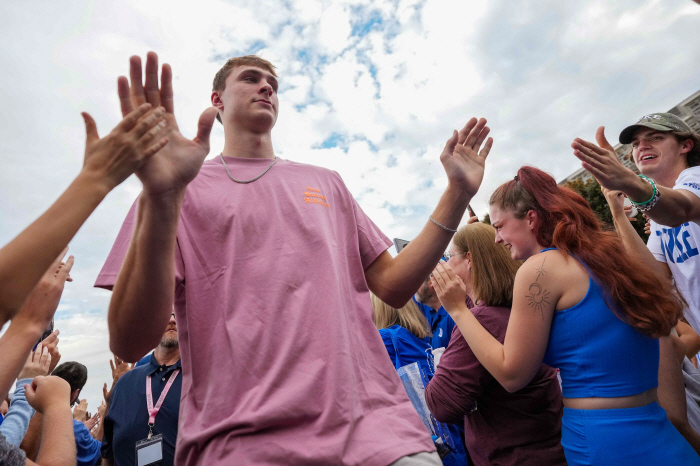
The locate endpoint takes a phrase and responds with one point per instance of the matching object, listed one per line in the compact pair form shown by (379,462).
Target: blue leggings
(621,437)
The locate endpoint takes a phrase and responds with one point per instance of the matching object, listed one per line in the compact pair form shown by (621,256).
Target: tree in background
(590,190)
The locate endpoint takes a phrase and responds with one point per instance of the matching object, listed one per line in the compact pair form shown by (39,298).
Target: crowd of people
(285,332)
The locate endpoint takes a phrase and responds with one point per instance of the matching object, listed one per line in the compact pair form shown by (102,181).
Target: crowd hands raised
(544,287)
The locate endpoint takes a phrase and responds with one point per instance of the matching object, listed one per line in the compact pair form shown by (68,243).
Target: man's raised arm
(395,280)
(142,298)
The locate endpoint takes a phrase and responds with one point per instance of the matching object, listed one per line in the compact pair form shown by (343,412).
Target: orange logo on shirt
(314,196)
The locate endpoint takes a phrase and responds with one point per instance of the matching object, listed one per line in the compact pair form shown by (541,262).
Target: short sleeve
(689,180)
(110,270)
(654,243)
(372,241)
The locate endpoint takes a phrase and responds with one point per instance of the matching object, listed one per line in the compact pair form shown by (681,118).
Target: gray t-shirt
(11,455)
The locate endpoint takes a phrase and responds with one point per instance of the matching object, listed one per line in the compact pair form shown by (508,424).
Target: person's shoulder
(309,168)
(689,179)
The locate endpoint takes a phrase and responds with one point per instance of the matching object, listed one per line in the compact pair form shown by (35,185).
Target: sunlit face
(517,234)
(657,152)
(249,99)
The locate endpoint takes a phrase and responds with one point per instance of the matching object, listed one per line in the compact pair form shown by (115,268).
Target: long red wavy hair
(565,221)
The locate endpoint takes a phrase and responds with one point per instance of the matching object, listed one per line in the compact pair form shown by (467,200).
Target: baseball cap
(657,121)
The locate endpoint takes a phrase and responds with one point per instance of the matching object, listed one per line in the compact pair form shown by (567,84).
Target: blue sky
(371,89)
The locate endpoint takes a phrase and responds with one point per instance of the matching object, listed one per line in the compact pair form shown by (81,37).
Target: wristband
(441,225)
(649,204)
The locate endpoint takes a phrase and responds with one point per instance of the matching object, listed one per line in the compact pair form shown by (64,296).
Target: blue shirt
(441,325)
(126,421)
(87,447)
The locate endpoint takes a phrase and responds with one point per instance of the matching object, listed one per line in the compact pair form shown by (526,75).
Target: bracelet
(651,203)
(441,225)
(653,195)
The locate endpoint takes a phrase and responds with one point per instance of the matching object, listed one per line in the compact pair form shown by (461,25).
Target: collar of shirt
(157,369)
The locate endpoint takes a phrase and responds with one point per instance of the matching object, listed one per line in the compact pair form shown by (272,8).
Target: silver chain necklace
(245,181)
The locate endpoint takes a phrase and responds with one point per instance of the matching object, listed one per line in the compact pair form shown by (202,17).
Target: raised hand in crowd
(108,162)
(31,321)
(37,364)
(51,344)
(119,368)
(177,164)
(98,431)
(463,157)
(50,396)
(80,410)
(91,421)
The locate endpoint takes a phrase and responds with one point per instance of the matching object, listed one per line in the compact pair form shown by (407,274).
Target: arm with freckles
(395,280)
(515,362)
(675,207)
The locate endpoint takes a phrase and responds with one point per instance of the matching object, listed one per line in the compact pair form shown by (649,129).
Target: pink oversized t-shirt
(281,361)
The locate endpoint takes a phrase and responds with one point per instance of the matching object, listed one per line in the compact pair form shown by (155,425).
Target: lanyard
(153,411)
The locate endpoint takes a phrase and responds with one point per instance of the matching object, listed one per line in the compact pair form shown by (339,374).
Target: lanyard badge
(150,450)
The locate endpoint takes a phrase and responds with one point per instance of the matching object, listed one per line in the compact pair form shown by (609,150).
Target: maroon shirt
(522,428)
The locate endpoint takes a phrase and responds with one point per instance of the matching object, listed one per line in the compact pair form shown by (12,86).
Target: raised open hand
(171,169)
(464,159)
(37,363)
(602,162)
(41,304)
(51,344)
(91,421)
(119,368)
(113,158)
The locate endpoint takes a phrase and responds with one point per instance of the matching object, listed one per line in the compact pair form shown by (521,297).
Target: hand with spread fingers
(119,368)
(39,308)
(51,344)
(37,363)
(602,162)
(173,167)
(91,421)
(463,157)
(450,289)
(113,158)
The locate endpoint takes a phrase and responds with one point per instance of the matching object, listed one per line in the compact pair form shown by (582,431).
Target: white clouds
(386,80)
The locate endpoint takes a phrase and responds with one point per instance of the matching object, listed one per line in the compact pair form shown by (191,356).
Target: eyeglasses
(447,255)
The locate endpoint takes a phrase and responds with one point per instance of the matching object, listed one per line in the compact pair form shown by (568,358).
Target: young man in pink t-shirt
(269,264)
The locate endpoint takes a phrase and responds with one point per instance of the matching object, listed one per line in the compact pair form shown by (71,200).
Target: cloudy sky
(371,89)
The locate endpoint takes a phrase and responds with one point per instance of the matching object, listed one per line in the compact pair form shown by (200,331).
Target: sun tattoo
(538,298)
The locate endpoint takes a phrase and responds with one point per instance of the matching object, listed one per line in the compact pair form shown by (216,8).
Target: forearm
(489,351)
(15,346)
(671,392)
(16,422)
(30,442)
(402,277)
(673,209)
(636,248)
(33,250)
(142,298)
(57,439)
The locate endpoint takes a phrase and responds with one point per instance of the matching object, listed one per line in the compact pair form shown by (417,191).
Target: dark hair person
(523,427)
(583,305)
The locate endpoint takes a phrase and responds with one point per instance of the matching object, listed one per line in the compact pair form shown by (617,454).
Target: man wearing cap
(667,153)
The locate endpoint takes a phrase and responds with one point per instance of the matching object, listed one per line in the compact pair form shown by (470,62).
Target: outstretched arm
(142,298)
(675,207)
(108,162)
(395,280)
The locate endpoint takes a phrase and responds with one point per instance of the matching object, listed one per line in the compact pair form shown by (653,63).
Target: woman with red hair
(583,305)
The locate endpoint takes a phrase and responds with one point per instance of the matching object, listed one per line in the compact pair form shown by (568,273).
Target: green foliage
(590,190)
(487,219)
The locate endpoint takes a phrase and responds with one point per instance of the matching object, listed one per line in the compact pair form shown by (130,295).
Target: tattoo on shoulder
(538,297)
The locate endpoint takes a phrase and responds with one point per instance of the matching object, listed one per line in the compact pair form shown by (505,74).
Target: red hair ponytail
(565,221)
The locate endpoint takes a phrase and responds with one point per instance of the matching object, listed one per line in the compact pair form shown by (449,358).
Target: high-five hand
(602,162)
(171,169)
(463,157)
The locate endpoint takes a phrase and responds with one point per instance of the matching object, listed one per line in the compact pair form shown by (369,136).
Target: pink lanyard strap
(153,411)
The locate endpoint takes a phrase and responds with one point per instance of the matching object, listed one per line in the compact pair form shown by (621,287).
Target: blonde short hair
(409,317)
(493,270)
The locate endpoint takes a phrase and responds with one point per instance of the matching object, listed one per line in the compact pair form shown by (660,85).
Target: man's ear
(74,396)
(687,146)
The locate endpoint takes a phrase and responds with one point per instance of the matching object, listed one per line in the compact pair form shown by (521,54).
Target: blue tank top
(599,355)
